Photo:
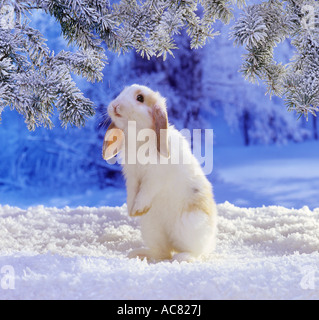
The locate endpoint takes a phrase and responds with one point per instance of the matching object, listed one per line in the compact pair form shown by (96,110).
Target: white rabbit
(175,201)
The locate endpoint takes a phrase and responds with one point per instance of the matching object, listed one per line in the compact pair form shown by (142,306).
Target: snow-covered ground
(285,175)
(264,253)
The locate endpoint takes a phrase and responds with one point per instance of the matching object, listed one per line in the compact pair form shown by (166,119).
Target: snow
(285,175)
(262,253)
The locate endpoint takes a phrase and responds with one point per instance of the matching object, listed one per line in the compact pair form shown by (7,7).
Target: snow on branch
(260,28)
(28,66)
(34,80)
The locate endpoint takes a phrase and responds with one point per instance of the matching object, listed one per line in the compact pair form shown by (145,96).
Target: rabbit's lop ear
(161,128)
(113,142)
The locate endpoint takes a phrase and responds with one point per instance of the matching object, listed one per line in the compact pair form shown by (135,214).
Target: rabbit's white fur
(175,201)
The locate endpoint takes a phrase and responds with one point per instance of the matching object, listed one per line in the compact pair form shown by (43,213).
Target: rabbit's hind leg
(141,253)
(149,255)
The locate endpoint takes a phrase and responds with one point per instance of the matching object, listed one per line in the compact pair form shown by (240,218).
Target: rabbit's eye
(140,98)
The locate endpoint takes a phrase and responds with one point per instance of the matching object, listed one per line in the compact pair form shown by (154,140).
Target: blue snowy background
(263,155)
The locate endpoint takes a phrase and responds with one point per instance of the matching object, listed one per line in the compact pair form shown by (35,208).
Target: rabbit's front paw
(139,212)
(141,206)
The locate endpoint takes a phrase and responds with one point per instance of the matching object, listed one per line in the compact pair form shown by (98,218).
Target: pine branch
(261,28)
(149,27)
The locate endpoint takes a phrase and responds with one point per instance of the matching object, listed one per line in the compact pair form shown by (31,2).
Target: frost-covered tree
(34,79)
(261,27)
(258,119)
(56,162)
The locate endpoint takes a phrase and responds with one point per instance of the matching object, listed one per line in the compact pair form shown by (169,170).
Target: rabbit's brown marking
(202,201)
(140,213)
(149,99)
